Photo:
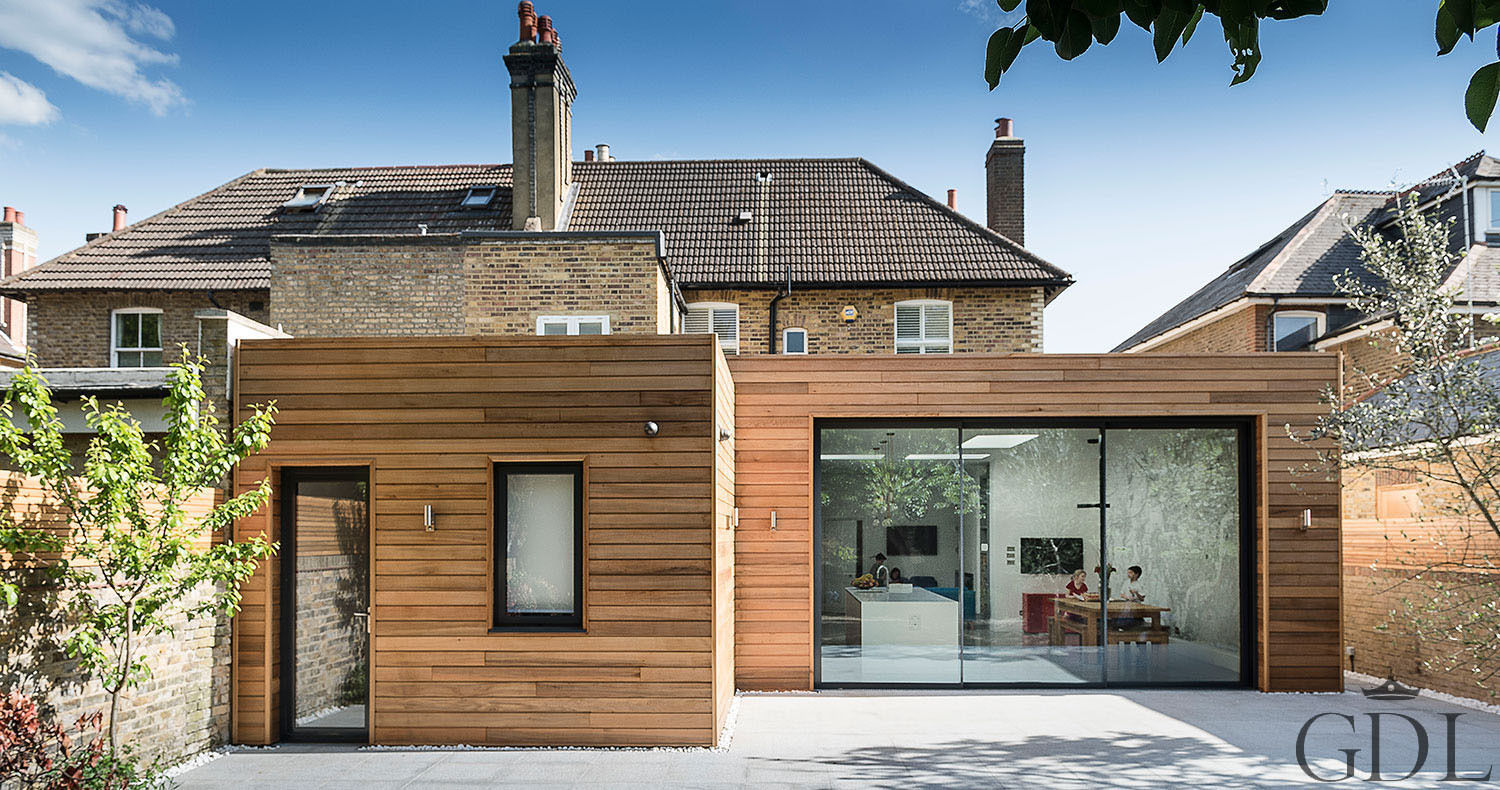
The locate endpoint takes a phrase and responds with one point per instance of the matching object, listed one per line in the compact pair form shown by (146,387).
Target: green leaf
(1479,99)
(1446,31)
(1008,5)
(1049,16)
(1142,12)
(1243,38)
(1168,30)
(994,55)
(1105,27)
(1192,25)
(1100,7)
(1076,36)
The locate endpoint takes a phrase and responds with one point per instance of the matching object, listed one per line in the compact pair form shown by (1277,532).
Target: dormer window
(309,197)
(1295,330)
(479,197)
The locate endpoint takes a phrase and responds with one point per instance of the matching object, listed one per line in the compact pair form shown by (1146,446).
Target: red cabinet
(1036,610)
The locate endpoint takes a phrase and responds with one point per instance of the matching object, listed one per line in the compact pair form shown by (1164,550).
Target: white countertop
(882,595)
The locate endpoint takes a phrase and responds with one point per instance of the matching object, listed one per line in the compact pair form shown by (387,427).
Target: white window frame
(1485,216)
(1319,326)
(471,199)
(730,345)
(923,343)
(786,333)
(572,322)
(303,202)
(114,333)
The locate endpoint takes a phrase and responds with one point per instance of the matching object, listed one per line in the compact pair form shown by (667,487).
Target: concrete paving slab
(1033,739)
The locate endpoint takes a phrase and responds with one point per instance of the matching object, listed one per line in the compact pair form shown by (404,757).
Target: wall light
(652,428)
(427,518)
(1306,518)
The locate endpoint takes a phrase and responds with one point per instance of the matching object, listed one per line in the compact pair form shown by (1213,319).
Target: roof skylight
(479,197)
(309,196)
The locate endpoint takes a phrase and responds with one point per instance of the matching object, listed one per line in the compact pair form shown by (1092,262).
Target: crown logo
(1391,690)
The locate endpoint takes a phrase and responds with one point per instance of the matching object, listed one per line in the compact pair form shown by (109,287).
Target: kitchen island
(878,617)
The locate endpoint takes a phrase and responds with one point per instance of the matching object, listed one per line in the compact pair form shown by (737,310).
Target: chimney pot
(1005,127)
(119,218)
(588,155)
(10,214)
(20,218)
(953,199)
(528,20)
(603,153)
(544,31)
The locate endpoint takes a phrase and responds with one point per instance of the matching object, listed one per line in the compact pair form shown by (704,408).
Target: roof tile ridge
(1299,238)
(963,220)
(282,170)
(110,235)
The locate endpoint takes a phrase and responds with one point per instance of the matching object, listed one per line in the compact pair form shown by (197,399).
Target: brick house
(568,451)
(1283,297)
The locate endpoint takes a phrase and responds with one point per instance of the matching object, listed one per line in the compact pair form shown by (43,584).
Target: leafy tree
(131,555)
(1072,26)
(1435,422)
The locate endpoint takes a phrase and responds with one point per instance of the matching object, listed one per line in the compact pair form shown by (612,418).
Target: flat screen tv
(912,541)
(1051,555)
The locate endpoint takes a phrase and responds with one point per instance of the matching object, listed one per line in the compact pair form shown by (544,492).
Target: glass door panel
(1031,547)
(1175,527)
(325,543)
(891,582)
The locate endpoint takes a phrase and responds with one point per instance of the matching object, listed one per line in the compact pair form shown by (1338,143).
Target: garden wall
(182,710)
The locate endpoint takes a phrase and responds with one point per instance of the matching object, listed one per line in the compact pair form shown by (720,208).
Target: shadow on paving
(1050,761)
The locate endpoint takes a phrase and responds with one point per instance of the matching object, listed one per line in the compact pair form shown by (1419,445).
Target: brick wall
(511,283)
(1375,356)
(72,330)
(985,320)
(1240,331)
(1398,525)
(180,711)
(372,289)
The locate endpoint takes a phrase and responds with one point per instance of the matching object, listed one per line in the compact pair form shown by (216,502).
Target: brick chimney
(1005,183)
(120,223)
(541,123)
(17,254)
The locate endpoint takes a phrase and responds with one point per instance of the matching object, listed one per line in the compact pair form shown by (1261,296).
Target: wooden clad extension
(778,398)
(428,417)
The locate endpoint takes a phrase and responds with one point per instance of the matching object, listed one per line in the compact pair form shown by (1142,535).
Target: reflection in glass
(1023,545)
(332,598)
(890,502)
(1174,549)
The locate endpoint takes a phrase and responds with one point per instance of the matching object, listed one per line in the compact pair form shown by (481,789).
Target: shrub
(39,754)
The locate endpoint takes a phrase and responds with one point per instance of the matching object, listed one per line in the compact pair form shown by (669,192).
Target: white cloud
(23,103)
(94,42)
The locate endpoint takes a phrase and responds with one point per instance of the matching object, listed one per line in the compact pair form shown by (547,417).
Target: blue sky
(1144,180)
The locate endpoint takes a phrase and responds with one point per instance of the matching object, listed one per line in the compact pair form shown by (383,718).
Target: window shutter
(726,324)
(938,319)
(908,322)
(696,321)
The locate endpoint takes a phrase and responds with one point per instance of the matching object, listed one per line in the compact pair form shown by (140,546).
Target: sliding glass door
(1032,535)
(993,552)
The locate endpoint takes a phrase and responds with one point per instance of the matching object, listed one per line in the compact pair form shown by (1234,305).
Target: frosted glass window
(538,545)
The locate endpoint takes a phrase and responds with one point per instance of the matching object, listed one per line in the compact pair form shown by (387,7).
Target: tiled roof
(1305,259)
(831,221)
(1302,259)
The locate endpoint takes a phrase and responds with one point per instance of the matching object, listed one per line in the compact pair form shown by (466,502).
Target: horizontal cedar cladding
(777,400)
(431,415)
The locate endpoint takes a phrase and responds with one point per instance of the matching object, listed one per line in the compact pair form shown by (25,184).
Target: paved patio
(1080,739)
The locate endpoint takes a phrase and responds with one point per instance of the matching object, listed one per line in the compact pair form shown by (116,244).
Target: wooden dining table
(1086,620)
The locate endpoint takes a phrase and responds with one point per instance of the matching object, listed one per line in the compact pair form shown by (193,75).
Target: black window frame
(503,620)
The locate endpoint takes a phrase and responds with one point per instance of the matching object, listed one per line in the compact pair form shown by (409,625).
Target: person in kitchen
(1130,592)
(1078,586)
(878,570)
